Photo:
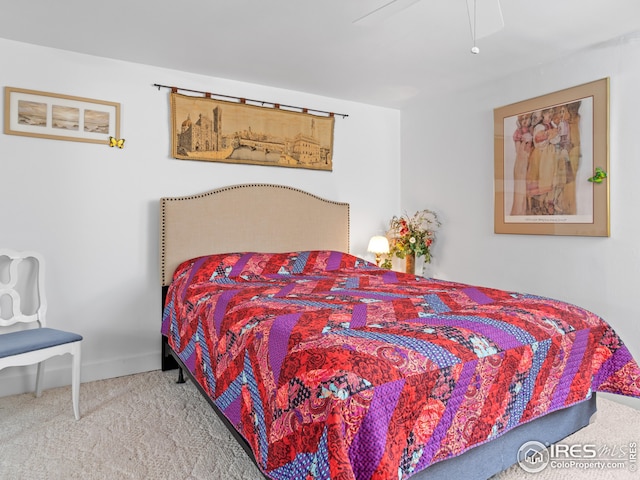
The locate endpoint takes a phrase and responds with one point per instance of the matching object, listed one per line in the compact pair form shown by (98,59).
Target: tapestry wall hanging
(221,131)
(551,163)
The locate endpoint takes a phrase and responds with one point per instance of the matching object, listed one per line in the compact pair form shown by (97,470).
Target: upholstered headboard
(248,218)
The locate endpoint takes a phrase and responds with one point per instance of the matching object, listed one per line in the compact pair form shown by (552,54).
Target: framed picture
(551,163)
(206,129)
(60,117)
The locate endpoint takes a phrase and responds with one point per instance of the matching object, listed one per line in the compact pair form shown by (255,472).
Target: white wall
(93,210)
(447,165)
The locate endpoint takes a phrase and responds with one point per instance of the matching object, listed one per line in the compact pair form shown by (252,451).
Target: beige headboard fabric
(248,218)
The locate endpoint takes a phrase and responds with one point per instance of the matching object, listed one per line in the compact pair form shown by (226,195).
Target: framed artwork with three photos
(551,158)
(56,116)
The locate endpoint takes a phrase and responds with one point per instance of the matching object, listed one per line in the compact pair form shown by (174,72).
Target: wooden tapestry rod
(245,100)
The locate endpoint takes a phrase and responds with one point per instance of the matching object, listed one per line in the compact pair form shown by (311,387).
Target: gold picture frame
(32,113)
(551,158)
(206,129)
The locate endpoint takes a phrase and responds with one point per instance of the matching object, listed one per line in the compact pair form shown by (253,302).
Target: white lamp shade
(378,244)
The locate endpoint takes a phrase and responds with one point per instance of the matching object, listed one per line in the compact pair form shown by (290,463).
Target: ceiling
(314,46)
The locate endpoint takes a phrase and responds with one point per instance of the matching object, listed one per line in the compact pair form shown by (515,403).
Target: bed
(323,365)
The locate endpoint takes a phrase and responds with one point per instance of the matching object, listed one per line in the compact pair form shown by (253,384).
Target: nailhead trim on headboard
(164,201)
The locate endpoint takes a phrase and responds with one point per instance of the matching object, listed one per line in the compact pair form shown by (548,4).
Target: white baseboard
(18,380)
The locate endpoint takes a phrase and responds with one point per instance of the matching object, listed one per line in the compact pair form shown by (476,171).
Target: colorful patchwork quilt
(332,368)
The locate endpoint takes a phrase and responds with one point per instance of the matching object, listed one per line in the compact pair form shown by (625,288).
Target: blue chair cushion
(15,343)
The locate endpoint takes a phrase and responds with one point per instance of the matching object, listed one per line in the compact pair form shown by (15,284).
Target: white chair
(28,340)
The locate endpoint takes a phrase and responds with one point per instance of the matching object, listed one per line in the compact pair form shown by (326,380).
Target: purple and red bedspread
(332,368)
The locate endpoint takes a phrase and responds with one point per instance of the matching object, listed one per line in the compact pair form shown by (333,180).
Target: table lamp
(378,245)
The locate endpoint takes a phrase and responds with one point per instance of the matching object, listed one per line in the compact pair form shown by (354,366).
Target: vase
(410,263)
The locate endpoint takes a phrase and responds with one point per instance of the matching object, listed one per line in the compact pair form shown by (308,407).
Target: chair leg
(75,383)
(39,378)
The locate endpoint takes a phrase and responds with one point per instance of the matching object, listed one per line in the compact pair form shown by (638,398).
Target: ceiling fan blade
(487,20)
(384,11)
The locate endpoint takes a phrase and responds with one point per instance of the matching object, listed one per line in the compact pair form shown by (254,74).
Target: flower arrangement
(412,235)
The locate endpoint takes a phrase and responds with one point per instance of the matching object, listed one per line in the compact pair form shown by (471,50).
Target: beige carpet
(147,427)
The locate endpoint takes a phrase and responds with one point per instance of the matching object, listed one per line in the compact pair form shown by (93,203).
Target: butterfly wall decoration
(116,142)
(599,176)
